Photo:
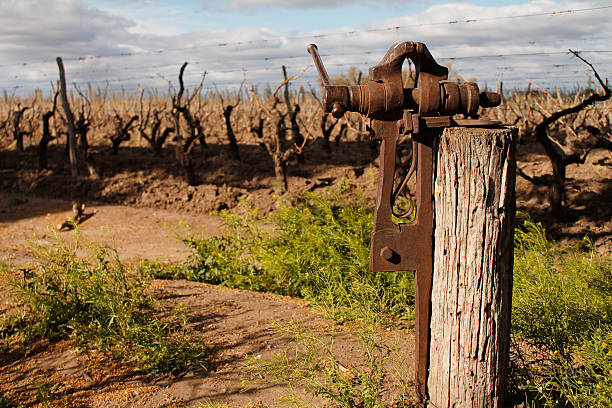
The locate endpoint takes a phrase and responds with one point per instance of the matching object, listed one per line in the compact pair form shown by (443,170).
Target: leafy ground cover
(99,303)
(319,249)
(562,308)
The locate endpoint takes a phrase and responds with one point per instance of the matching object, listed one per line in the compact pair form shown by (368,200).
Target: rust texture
(421,112)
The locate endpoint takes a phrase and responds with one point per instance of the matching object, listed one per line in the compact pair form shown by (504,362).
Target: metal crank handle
(314,51)
(330,100)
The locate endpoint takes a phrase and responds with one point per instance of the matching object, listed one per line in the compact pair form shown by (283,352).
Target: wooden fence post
(472,274)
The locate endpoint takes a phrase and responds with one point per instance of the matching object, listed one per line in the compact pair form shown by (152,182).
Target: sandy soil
(136,233)
(233,322)
(140,180)
(138,205)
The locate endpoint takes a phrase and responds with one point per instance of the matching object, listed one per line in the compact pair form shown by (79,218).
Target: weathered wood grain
(472,277)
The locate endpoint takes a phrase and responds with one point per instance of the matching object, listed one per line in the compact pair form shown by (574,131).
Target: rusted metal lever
(422,111)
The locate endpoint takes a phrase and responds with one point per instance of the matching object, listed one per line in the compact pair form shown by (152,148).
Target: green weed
(44,394)
(562,303)
(310,362)
(99,303)
(5,267)
(317,249)
(5,402)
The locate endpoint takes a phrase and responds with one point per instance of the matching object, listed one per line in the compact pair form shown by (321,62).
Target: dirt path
(233,322)
(136,233)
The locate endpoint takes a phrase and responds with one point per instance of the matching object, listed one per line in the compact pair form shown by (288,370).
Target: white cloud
(290,4)
(31,29)
(37,31)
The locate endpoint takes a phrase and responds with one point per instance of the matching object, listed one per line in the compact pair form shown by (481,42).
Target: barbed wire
(133,67)
(543,77)
(268,69)
(312,36)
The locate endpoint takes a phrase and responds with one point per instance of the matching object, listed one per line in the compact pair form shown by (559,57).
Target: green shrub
(97,302)
(562,303)
(5,402)
(317,249)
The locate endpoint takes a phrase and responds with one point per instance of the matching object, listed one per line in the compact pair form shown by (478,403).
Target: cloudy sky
(130,42)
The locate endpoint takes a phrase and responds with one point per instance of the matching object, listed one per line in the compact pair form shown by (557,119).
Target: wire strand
(316,36)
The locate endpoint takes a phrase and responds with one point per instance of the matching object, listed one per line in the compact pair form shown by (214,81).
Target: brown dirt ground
(136,233)
(233,322)
(137,178)
(140,201)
